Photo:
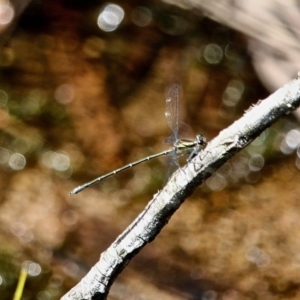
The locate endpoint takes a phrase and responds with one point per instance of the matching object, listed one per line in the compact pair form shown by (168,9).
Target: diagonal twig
(96,284)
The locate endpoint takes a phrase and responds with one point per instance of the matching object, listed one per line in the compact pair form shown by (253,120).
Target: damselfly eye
(201,140)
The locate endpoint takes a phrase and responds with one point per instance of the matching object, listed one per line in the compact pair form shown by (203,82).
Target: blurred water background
(82,92)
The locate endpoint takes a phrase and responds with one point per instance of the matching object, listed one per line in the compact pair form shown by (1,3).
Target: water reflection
(256,162)
(217,182)
(20,230)
(44,295)
(110,17)
(141,16)
(285,148)
(213,53)
(64,93)
(56,280)
(253,177)
(292,138)
(71,268)
(17,161)
(55,160)
(33,269)
(258,257)
(6,13)
(233,93)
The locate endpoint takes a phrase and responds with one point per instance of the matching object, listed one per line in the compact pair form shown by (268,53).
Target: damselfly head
(201,140)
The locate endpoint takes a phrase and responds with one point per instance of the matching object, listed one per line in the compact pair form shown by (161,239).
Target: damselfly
(180,146)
